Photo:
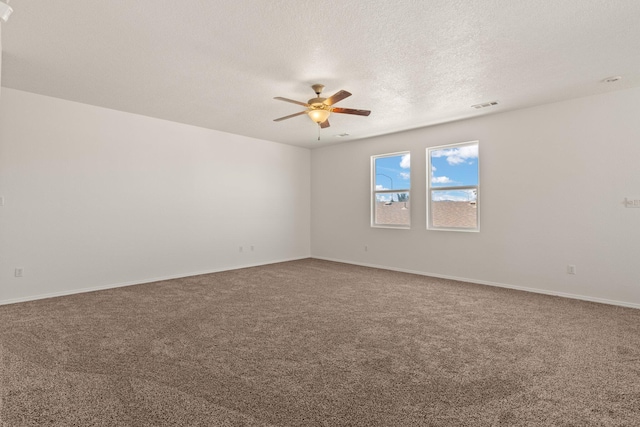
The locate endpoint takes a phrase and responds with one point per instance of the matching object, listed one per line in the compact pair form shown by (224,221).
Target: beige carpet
(315,343)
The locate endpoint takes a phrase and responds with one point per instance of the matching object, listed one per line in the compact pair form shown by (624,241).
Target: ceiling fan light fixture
(319,115)
(319,109)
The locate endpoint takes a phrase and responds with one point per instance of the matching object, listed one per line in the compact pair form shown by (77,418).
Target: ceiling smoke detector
(485,105)
(5,11)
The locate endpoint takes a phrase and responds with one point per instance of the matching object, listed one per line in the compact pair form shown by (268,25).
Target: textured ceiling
(218,64)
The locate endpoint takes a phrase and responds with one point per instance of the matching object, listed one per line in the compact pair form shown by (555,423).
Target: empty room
(274,213)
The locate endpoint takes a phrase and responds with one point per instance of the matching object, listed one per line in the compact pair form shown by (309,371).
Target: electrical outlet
(366,248)
(571,269)
(240,248)
(252,248)
(19,271)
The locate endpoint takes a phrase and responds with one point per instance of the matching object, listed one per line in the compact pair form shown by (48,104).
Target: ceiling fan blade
(279,98)
(351,111)
(325,124)
(289,116)
(338,96)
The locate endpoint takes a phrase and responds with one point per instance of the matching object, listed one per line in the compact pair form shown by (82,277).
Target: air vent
(612,79)
(484,105)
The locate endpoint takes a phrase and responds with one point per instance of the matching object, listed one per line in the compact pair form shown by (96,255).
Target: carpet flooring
(317,343)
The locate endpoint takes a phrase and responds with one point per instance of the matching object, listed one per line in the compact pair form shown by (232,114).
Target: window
(390,181)
(453,188)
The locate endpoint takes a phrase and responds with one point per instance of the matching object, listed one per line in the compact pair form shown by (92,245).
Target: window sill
(464,230)
(397,227)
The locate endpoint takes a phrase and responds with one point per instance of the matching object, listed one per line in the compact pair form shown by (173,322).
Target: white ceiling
(218,64)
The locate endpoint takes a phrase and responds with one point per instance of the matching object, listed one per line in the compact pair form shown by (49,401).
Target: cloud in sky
(405,162)
(455,156)
(441,180)
(454,196)
(384,197)
(448,198)
(381,187)
(405,175)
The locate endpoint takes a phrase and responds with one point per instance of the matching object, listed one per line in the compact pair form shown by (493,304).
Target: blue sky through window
(393,172)
(454,167)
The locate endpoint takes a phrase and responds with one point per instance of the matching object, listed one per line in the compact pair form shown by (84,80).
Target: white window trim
(430,227)
(372,196)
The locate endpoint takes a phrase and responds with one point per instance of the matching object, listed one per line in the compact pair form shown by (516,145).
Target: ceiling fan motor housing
(317,102)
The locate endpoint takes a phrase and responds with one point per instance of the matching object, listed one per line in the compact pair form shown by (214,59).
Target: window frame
(430,188)
(375,192)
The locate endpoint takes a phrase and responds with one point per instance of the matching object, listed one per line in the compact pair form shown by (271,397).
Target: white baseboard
(137,282)
(383,267)
(484,282)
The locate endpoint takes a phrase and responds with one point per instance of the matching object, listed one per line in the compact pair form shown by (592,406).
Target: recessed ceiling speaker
(5,11)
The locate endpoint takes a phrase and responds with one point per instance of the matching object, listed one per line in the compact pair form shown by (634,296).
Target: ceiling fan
(319,109)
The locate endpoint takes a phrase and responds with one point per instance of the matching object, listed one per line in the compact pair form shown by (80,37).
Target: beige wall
(98,198)
(552,182)
(0,60)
